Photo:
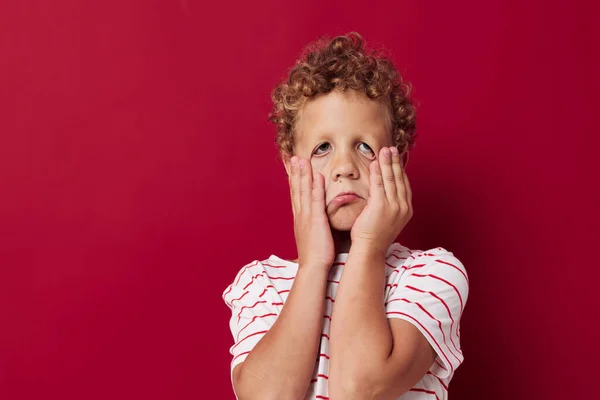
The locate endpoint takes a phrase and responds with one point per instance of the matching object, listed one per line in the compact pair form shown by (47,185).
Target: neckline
(340,257)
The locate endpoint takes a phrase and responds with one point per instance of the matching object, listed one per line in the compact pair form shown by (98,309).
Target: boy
(356,315)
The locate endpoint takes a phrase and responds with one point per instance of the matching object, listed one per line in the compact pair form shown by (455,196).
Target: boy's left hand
(389,206)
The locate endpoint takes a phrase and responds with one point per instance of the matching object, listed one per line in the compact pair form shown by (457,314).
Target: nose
(344,166)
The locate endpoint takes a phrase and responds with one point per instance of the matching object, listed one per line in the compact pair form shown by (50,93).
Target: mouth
(344,198)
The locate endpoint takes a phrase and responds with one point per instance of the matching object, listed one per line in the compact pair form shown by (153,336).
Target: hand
(389,206)
(311,224)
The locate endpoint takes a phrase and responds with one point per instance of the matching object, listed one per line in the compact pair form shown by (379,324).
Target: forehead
(338,114)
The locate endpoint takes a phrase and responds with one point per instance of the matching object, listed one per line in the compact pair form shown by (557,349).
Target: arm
(281,365)
(388,358)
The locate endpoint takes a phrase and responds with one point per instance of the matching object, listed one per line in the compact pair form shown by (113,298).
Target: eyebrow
(330,134)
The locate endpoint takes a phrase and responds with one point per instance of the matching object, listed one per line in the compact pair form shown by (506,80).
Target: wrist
(367,250)
(314,268)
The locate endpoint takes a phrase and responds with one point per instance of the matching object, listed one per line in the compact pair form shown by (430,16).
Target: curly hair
(340,64)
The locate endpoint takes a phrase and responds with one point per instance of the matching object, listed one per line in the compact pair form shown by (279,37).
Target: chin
(343,218)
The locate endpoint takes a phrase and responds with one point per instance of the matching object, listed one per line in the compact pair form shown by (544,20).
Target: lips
(345,198)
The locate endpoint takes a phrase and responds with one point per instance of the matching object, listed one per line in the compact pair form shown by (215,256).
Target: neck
(341,241)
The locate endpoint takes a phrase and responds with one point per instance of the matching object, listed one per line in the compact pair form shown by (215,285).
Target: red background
(138,173)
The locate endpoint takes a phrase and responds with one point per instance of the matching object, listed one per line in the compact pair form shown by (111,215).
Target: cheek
(365,164)
(318,164)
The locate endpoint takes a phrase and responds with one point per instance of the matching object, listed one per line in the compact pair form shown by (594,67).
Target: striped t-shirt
(426,288)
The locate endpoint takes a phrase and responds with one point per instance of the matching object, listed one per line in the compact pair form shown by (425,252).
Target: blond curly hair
(342,63)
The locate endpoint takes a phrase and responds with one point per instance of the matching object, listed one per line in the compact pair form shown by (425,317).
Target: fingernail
(294,161)
(386,152)
(394,151)
(301,163)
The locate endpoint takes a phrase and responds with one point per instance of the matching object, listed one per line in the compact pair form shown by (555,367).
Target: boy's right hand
(311,224)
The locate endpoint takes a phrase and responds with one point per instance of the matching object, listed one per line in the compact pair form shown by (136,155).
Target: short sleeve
(431,293)
(253,310)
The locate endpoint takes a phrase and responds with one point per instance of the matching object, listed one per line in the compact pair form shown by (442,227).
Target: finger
(292,198)
(398,175)
(408,189)
(404,159)
(389,182)
(295,184)
(305,185)
(318,193)
(376,190)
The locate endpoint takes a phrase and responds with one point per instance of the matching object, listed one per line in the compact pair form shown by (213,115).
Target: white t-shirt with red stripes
(426,288)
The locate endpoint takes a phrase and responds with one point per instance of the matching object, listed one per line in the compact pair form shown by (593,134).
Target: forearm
(282,363)
(359,323)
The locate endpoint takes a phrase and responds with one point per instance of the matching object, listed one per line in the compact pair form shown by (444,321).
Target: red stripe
(327,316)
(274,266)
(252,280)
(329,298)
(324,335)
(242,272)
(239,355)
(265,291)
(238,277)
(227,291)
(283,291)
(441,381)
(246,337)
(338,263)
(399,258)
(425,329)
(404,249)
(253,319)
(281,277)
(324,355)
(252,306)
(227,303)
(333,281)
(447,309)
(424,391)
(319,376)
(455,267)
(441,330)
(268,276)
(390,274)
(439,364)
(445,281)
(439,323)
(322,397)
(404,267)
(391,301)
(277,304)
(241,297)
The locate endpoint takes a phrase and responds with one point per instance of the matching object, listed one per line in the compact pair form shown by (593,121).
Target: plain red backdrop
(138,173)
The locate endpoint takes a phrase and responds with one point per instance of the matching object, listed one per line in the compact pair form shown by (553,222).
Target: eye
(322,149)
(366,149)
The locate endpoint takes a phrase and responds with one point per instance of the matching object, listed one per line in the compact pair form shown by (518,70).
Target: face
(341,133)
